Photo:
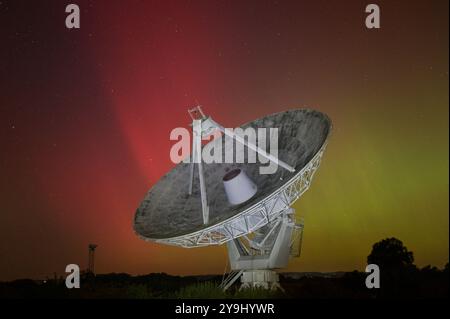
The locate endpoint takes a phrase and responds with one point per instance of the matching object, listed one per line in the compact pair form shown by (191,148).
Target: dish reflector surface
(168,214)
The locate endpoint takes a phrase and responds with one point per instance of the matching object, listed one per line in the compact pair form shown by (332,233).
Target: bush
(206,290)
(139,292)
(211,290)
(256,293)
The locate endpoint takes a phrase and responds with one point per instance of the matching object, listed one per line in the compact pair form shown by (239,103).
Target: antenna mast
(91,260)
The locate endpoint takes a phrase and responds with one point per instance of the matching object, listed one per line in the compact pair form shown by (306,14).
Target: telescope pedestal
(262,278)
(254,259)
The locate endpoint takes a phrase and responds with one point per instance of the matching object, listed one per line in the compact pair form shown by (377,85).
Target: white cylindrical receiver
(238,186)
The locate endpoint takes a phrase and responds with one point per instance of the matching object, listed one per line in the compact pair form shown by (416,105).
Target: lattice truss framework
(254,217)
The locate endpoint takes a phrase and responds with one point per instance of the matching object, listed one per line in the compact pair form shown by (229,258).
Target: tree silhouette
(390,254)
(396,268)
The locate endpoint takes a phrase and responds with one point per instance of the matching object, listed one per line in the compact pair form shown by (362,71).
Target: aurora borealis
(85,117)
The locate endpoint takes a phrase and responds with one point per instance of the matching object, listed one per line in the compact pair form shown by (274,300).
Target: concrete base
(265,279)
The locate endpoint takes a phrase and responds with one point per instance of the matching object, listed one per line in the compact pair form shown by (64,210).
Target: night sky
(85,117)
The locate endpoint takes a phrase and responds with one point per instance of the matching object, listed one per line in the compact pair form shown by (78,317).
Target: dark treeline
(399,278)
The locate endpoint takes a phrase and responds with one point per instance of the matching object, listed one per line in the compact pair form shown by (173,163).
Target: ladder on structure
(230,279)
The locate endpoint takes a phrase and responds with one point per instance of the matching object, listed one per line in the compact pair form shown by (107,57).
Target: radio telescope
(199,204)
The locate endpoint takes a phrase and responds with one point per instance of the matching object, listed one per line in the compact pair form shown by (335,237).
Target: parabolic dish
(169,215)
